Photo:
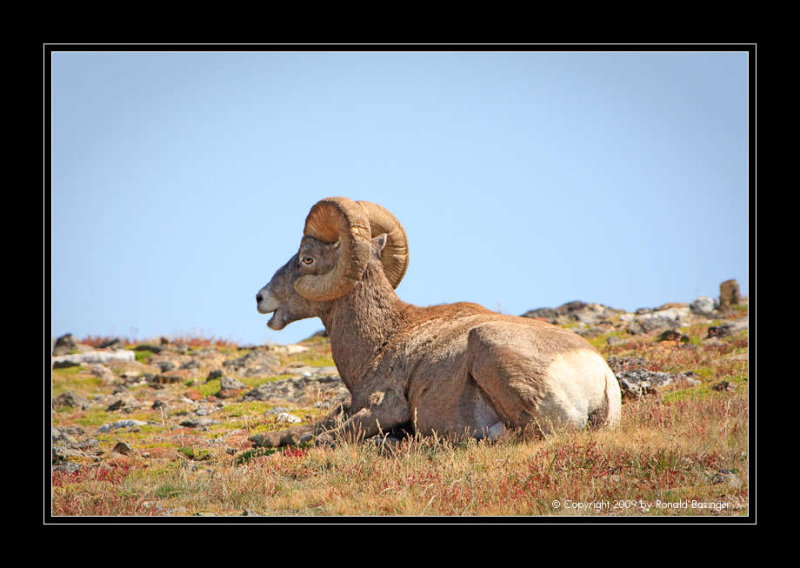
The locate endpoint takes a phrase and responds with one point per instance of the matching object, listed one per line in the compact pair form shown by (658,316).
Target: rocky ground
(192,401)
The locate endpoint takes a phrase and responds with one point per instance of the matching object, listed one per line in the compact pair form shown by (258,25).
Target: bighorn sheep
(454,369)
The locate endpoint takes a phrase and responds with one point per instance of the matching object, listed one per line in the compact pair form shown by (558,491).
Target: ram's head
(339,239)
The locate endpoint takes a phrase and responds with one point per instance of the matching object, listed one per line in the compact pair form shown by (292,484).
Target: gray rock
(65,435)
(703,306)
(589,332)
(123,355)
(658,320)
(102,372)
(164,379)
(65,344)
(637,383)
(288,418)
(254,363)
(289,349)
(149,347)
(303,370)
(546,313)
(673,335)
(586,313)
(229,387)
(70,399)
(120,424)
(228,383)
(619,364)
(729,294)
(215,374)
(589,314)
(67,467)
(116,405)
(297,389)
(728,328)
(114,343)
(122,448)
(198,422)
(638,327)
(167,365)
(726,476)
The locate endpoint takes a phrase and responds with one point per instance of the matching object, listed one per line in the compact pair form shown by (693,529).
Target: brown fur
(454,369)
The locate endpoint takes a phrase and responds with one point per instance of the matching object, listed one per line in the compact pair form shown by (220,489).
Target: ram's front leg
(384,410)
(301,434)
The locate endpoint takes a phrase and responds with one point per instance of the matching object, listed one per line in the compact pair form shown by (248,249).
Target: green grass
(668,449)
(144,356)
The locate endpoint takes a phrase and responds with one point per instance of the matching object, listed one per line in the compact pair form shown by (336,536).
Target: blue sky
(524,179)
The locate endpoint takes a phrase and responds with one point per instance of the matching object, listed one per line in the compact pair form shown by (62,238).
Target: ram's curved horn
(343,221)
(395,254)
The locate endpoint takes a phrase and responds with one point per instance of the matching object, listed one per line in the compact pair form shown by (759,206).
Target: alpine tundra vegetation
(168,434)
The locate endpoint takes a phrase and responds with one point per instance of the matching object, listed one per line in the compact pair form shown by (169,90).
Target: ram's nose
(266,302)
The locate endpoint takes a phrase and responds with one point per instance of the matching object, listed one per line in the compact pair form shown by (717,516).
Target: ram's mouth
(269,304)
(274,323)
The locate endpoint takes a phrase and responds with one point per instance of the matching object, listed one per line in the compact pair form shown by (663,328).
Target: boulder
(589,314)
(162,379)
(638,383)
(113,343)
(121,355)
(329,387)
(726,476)
(618,364)
(728,328)
(672,335)
(121,424)
(287,418)
(102,372)
(253,364)
(65,344)
(703,306)
(729,294)
(290,349)
(198,422)
(215,374)
(231,384)
(122,448)
(649,321)
(548,314)
(229,387)
(70,399)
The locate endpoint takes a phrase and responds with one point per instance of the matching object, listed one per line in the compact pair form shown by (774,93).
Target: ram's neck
(360,323)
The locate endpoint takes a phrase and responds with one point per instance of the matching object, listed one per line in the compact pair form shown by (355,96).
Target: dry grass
(683,454)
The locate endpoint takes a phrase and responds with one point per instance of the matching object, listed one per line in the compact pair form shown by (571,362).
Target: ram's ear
(380,242)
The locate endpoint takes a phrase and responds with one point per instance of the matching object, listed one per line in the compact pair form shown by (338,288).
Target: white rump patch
(576,386)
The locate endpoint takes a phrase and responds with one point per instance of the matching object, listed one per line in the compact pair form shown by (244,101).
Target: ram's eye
(307,260)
